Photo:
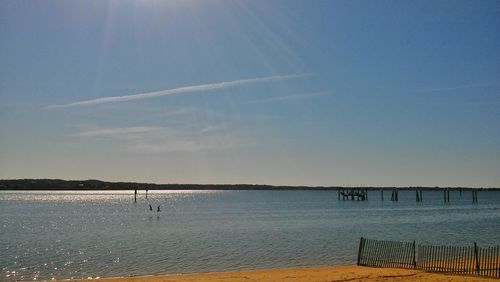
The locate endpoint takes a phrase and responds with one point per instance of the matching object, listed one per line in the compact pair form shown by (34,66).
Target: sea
(89,234)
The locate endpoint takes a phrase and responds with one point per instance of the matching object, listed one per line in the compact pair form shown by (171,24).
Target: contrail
(173,91)
(288,97)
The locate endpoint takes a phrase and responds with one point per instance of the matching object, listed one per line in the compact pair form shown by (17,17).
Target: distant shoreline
(93,185)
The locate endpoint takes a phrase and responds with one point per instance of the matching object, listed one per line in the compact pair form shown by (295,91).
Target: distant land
(59,184)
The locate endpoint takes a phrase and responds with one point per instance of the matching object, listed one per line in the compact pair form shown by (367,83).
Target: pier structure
(353,194)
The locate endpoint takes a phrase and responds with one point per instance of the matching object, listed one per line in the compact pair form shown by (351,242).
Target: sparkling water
(69,234)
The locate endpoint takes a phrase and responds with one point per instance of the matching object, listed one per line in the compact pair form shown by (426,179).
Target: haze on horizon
(292,92)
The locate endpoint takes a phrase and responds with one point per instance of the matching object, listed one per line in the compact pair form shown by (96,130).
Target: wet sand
(321,273)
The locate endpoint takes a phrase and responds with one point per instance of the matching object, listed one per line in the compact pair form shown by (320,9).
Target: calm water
(81,234)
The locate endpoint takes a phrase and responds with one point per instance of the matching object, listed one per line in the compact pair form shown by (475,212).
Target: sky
(319,93)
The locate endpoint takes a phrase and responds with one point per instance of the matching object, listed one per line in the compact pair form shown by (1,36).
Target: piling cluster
(362,194)
(395,195)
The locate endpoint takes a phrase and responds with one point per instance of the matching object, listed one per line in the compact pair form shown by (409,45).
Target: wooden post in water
(382,193)
(393,195)
(474,196)
(146,194)
(446,193)
(338,194)
(135,196)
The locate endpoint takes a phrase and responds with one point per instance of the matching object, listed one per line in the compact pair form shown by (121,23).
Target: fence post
(477,258)
(414,256)
(360,249)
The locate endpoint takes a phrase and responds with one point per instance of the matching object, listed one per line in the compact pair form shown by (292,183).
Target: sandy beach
(322,273)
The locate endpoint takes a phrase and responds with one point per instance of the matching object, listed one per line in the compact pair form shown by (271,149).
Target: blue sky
(276,92)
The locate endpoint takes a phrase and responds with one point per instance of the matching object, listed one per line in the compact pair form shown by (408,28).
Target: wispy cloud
(158,139)
(174,91)
(288,97)
(209,129)
(113,132)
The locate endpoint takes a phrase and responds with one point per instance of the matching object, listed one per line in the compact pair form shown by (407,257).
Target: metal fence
(470,260)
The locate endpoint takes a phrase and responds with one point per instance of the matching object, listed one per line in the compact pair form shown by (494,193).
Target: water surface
(46,234)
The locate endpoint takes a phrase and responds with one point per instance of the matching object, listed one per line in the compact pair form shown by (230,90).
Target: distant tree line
(59,184)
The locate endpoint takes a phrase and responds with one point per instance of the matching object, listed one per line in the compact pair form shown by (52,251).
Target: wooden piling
(474,196)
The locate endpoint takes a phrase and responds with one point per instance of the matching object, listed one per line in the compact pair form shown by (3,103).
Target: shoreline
(299,274)
(33,184)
